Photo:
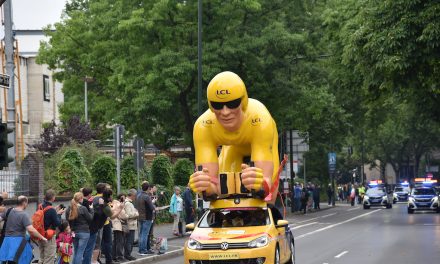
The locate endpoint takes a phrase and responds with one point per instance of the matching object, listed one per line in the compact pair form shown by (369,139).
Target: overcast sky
(36,14)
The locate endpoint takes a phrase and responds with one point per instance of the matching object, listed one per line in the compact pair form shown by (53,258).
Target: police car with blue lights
(401,192)
(377,195)
(423,197)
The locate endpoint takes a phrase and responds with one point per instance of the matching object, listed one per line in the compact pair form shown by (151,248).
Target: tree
(55,136)
(161,171)
(143,58)
(395,49)
(128,173)
(71,172)
(104,170)
(183,168)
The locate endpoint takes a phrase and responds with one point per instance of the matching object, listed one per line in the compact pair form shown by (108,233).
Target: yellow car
(242,231)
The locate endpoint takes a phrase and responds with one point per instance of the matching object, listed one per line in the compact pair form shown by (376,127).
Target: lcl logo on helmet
(222,93)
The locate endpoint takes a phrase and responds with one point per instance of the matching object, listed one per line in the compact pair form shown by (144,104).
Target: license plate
(424,204)
(221,256)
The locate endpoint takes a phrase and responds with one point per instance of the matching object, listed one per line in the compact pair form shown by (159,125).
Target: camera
(62,206)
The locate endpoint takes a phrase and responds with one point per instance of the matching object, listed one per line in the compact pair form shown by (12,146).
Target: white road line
(296,227)
(353,209)
(324,216)
(311,219)
(337,224)
(341,254)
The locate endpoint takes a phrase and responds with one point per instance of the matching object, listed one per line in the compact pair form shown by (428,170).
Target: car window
(234,217)
(423,192)
(375,191)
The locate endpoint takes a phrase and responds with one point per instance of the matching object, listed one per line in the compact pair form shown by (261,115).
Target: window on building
(46,88)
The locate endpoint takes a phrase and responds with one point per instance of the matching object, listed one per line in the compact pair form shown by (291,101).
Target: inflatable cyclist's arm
(206,156)
(265,153)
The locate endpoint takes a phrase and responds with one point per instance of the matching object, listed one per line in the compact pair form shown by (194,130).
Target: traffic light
(5,145)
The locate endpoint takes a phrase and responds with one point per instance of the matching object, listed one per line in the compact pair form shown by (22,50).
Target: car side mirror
(282,223)
(190,226)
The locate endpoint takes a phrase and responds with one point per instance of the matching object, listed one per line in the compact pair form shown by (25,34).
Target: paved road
(352,235)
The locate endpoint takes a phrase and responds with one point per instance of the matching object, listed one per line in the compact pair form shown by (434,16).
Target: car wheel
(394,202)
(292,251)
(366,206)
(410,211)
(389,206)
(277,256)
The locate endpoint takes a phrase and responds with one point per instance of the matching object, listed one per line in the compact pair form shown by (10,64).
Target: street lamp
(86,114)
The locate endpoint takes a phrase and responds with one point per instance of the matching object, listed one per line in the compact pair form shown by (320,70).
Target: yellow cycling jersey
(256,138)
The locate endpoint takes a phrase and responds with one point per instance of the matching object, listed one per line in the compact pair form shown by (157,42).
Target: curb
(166,255)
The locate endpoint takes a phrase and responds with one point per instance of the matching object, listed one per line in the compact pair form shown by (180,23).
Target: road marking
(311,219)
(353,209)
(296,227)
(337,224)
(341,254)
(324,216)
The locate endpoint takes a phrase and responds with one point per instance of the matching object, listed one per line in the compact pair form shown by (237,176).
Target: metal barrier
(15,182)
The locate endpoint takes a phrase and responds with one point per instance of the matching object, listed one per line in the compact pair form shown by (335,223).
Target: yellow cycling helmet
(227,87)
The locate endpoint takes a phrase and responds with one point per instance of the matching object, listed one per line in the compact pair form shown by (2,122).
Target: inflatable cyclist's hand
(200,181)
(252,177)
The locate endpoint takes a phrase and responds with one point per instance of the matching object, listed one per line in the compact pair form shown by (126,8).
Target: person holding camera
(52,220)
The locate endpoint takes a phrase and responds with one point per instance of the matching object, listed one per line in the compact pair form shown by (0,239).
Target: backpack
(38,222)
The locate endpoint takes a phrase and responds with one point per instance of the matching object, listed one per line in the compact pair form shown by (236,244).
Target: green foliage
(161,171)
(104,170)
(128,173)
(183,168)
(149,49)
(88,152)
(72,173)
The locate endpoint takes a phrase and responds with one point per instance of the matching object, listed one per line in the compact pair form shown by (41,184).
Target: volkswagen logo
(224,246)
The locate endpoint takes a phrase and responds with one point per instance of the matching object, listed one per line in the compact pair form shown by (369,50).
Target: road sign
(332,162)
(4,81)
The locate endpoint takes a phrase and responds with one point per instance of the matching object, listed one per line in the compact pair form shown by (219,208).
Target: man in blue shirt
(297,197)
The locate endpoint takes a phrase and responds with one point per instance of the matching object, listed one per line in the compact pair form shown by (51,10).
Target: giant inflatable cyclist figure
(243,128)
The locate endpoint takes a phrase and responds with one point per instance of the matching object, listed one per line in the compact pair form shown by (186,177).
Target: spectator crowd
(96,225)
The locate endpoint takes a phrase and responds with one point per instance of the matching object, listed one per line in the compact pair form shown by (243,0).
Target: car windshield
(427,191)
(375,192)
(235,217)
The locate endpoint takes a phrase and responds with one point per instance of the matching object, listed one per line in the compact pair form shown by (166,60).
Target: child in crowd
(64,243)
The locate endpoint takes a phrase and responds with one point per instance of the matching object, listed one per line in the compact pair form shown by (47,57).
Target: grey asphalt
(349,235)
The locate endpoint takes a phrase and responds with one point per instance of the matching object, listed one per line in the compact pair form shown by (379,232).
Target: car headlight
(259,242)
(384,197)
(366,197)
(194,244)
(411,199)
(434,199)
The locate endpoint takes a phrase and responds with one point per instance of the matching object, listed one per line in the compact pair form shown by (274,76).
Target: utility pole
(86,118)
(119,142)
(362,158)
(10,67)
(199,59)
